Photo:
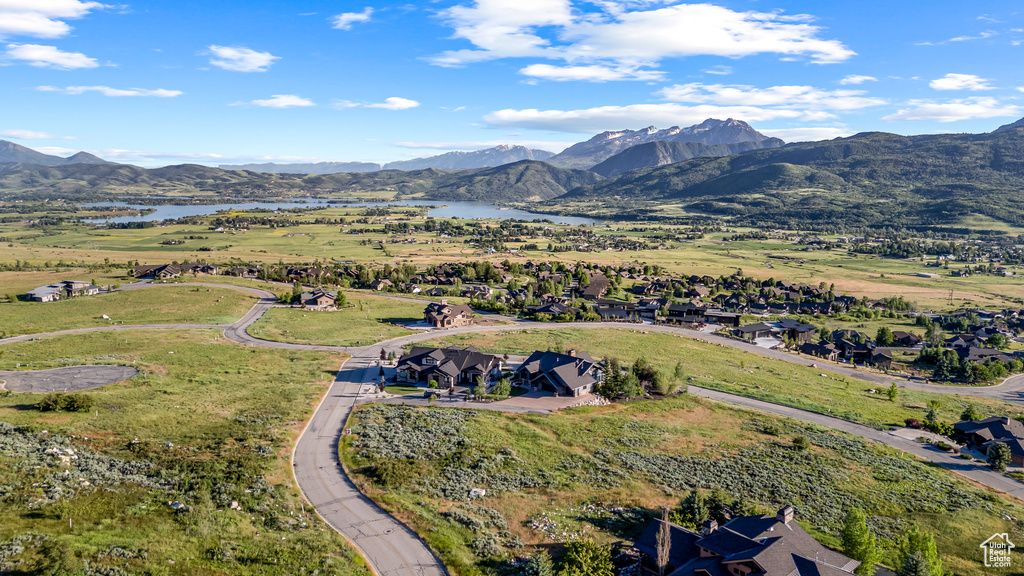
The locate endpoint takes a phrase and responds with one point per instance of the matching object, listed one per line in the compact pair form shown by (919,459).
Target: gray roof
(573,372)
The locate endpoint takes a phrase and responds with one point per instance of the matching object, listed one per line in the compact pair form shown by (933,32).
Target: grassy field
(604,472)
(166,304)
(369,320)
(735,371)
(215,420)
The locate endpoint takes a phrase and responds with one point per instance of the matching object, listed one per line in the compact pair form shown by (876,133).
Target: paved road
(67,379)
(390,547)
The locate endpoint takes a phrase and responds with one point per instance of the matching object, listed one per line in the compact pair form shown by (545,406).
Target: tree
(884,337)
(915,541)
(914,565)
(893,392)
(538,565)
(664,543)
(971,413)
(587,558)
(503,388)
(481,388)
(933,411)
(296,290)
(859,542)
(998,456)
(692,510)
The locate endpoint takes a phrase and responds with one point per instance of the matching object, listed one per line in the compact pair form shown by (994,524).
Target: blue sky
(166,82)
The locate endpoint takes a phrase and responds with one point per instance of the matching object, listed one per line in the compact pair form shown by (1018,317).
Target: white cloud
(41,18)
(960,82)
(806,98)
(627,35)
(55,150)
(113,92)
(590,120)
(49,57)
(954,110)
(718,70)
(981,36)
(857,79)
(32,135)
(394,103)
(807,134)
(283,101)
(345,20)
(593,73)
(240,59)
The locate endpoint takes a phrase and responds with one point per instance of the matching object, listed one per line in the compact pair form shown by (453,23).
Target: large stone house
(745,546)
(444,315)
(573,374)
(998,429)
(447,367)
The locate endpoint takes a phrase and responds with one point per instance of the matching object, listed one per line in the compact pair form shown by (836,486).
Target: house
(444,368)
(963,341)
(444,315)
(380,285)
(65,289)
(158,271)
(747,545)
(881,360)
(319,299)
(824,350)
(906,339)
(754,331)
(552,309)
(199,268)
(616,310)
(244,272)
(596,288)
(984,433)
(572,374)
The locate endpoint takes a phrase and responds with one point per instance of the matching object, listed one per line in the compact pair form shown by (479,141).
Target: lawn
(368,320)
(207,423)
(604,471)
(735,371)
(166,304)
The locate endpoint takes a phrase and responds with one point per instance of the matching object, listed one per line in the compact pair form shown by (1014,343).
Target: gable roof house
(446,367)
(748,545)
(597,287)
(50,293)
(319,299)
(65,289)
(997,429)
(573,374)
(158,271)
(444,315)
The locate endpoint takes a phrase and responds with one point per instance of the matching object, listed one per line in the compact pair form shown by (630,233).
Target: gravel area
(69,379)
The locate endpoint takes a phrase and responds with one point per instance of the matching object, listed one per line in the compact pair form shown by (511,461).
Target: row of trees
(638,379)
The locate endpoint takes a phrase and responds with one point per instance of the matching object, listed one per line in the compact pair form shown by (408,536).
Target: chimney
(709,526)
(572,353)
(444,302)
(785,514)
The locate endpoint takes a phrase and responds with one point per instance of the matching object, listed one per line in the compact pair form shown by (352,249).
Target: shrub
(913,423)
(65,401)
(801,443)
(944,446)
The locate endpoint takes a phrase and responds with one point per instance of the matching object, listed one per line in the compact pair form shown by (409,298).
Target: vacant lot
(370,319)
(605,471)
(208,423)
(166,304)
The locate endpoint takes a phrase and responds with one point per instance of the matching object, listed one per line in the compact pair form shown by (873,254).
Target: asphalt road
(67,379)
(393,549)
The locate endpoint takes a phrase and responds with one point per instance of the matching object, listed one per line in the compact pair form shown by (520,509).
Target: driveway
(68,379)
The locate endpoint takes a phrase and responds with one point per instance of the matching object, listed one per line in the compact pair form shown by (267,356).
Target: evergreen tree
(587,558)
(914,565)
(692,511)
(538,565)
(998,456)
(971,413)
(859,542)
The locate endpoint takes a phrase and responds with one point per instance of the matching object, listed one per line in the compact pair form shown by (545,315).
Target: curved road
(391,548)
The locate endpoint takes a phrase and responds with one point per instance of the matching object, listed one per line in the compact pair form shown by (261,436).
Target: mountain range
(496,156)
(870,179)
(11,152)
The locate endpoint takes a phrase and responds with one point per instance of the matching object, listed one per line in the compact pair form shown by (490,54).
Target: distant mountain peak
(710,132)
(11,152)
(1006,127)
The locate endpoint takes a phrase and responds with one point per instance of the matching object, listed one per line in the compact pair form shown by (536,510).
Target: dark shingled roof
(684,543)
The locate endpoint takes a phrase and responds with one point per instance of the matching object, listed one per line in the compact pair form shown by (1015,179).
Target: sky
(167,82)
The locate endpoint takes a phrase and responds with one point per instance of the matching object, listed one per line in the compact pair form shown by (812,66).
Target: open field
(368,320)
(304,240)
(215,420)
(735,371)
(604,472)
(170,304)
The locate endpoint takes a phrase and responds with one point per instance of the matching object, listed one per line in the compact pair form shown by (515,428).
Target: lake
(439,209)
